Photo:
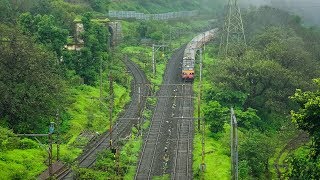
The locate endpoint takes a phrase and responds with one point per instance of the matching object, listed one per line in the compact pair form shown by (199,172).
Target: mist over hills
(307,9)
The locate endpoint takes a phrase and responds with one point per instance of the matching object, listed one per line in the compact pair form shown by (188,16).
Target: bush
(26,143)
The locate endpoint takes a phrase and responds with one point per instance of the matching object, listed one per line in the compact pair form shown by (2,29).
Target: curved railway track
(169,139)
(123,125)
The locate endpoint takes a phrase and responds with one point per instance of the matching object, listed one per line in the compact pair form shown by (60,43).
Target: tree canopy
(308,116)
(29,82)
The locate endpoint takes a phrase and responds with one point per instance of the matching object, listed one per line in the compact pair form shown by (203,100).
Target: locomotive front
(188,69)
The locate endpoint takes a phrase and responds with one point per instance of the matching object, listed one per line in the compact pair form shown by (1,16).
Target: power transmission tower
(233,40)
(234,146)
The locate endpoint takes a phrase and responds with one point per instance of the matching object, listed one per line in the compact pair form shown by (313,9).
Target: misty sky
(307,9)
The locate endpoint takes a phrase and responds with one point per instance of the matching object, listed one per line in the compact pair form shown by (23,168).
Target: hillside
(273,85)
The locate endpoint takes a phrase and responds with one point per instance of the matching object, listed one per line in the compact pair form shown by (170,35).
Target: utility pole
(139,109)
(202,131)
(100,84)
(111,107)
(200,89)
(233,40)
(155,48)
(58,134)
(203,164)
(234,146)
(200,82)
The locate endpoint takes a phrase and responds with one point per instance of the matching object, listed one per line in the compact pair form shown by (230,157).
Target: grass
(131,151)
(142,55)
(217,155)
(22,164)
(216,159)
(85,111)
(134,145)
(163,177)
(83,114)
(129,155)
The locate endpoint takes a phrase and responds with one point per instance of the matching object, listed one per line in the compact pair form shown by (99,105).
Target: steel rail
(120,127)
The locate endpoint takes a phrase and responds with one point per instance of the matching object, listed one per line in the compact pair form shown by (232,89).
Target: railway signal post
(49,150)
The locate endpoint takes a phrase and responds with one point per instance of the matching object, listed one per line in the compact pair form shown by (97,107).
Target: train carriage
(188,70)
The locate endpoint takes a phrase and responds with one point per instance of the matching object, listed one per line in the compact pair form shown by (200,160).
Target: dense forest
(273,85)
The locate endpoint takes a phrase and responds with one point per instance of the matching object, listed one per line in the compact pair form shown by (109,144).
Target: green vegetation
(123,163)
(161,6)
(216,156)
(164,177)
(279,59)
(304,163)
(39,77)
(23,159)
(30,85)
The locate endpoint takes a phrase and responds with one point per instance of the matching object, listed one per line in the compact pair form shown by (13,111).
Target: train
(189,55)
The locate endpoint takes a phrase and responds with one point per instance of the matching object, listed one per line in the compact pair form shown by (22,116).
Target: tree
(308,115)
(11,9)
(216,116)
(5,11)
(65,13)
(41,7)
(301,166)
(87,62)
(45,30)
(257,20)
(256,149)
(100,5)
(265,83)
(8,140)
(249,119)
(284,46)
(30,86)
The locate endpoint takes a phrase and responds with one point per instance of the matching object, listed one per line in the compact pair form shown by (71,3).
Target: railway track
(182,160)
(167,147)
(123,125)
(152,139)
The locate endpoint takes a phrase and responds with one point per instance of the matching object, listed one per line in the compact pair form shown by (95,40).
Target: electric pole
(233,41)
(199,94)
(111,108)
(139,109)
(155,48)
(58,134)
(100,84)
(234,146)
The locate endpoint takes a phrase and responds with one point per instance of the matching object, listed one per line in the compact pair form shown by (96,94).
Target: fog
(307,9)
